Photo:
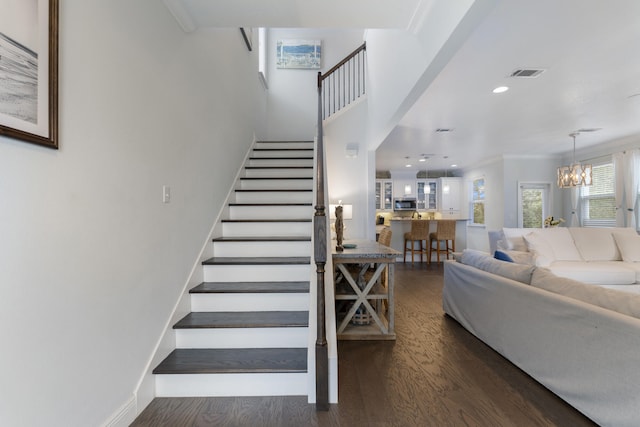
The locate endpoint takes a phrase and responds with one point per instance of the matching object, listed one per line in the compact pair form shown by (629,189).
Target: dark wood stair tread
(282,158)
(268,220)
(270,204)
(263,239)
(257,260)
(254,178)
(283,149)
(277,190)
(237,319)
(278,167)
(252,360)
(307,141)
(250,287)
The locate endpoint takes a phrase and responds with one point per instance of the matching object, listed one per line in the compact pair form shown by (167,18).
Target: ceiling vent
(527,73)
(444,130)
(584,130)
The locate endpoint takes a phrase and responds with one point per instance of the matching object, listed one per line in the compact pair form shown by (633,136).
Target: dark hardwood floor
(434,374)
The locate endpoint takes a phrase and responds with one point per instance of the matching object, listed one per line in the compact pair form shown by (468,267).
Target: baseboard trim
(124,416)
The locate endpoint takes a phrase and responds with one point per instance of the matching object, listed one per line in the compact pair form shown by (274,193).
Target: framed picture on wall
(29,71)
(301,54)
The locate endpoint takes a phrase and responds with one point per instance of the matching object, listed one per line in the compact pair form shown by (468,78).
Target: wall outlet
(166,194)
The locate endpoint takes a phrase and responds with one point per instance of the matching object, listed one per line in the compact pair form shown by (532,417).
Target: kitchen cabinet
(450,197)
(426,194)
(384,194)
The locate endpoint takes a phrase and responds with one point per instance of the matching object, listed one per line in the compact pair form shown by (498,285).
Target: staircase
(247,334)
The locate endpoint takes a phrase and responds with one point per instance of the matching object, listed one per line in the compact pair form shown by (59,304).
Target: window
(598,204)
(477,202)
(533,204)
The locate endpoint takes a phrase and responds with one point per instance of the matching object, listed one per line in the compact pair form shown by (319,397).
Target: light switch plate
(166,194)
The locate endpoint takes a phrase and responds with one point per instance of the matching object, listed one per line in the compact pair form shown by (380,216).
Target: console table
(363,286)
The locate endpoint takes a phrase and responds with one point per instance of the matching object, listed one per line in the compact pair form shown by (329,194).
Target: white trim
(124,416)
(179,11)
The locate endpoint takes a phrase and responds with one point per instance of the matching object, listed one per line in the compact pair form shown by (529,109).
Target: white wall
(348,177)
(402,64)
(502,176)
(91,261)
(293,94)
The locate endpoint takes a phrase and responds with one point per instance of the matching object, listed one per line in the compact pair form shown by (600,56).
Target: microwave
(405,204)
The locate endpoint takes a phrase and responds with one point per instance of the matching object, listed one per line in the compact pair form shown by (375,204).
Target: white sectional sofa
(603,256)
(579,340)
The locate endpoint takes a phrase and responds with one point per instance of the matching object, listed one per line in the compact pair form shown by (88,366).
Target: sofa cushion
(635,266)
(513,238)
(542,252)
(598,244)
(520,257)
(621,302)
(628,245)
(595,273)
(483,261)
(560,240)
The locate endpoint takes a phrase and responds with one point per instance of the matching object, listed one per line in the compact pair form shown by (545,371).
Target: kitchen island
(402,225)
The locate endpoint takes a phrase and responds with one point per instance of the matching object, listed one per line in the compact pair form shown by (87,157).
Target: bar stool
(419,232)
(445,233)
(385,237)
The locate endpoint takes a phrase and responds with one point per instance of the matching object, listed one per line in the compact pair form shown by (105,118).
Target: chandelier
(575,174)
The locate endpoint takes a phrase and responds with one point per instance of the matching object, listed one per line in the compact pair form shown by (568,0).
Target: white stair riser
(250,302)
(280,172)
(219,385)
(274,197)
(262,229)
(280,145)
(243,338)
(281,153)
(271,184)
(257,249)
(280,162)
(270,212)
(256,273)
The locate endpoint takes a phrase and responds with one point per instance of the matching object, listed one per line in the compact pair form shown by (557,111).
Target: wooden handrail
(343,83)
(341,63)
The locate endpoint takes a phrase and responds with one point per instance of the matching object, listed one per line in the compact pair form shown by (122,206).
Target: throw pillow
(541,249)
(502,256)
(629,245)
(513,238)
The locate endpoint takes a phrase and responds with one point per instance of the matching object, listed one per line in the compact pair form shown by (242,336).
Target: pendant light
(575,174)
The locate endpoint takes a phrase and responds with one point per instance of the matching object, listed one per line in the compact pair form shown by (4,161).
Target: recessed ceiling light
(454,166)
(407,165)
(422,159)
(501,89)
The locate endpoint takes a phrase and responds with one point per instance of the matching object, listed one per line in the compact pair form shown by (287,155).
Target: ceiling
(589,51)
